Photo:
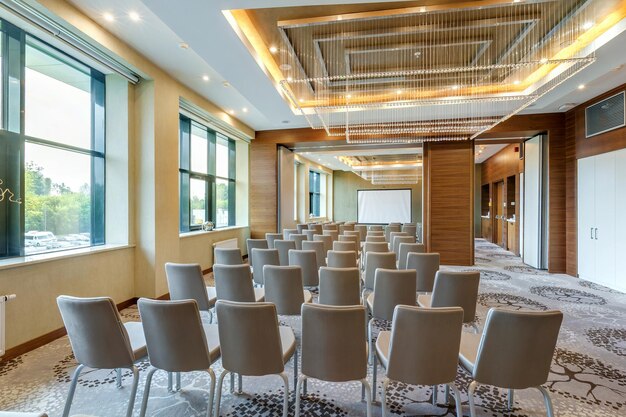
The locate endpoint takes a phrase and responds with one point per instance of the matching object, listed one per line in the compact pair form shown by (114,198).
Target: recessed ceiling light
(231,112)
(183,45)
(134,16)
(289,79)
(108,17)
(285,121)
(205,78)
(587,25)
(398,91)
(226,84)
(273,49)
(516,82)
(544,60)
(245,110)
(581,87)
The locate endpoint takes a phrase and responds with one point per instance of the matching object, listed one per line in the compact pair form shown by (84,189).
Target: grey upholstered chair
(283,247)
(333,348)
(284,288)
(260,258)
(334,234)
(320,252)
(271,237)
(177,341)
(185,282)
(342,259)
(375,233)
(228,256)
(100,340)
(307,260)
(288,232)
(253,344)
(362,229)
(410,229)
(426,266)
(400,240)
(392,287)
(454,289)
(301,227)
(326,239)
(354,233)
(346,228)
(503,357)
(329,226)
(256,244)
(392,238)
(309,234)
(339,286)
(349,238)
(317,228)
(371,238)
(298,238)
(345,246)
(376,228)
(373,261)
(381,247)
(405,248)
(391,228)
(421,349)
(234,283)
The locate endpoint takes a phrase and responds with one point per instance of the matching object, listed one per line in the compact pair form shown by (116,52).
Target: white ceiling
(215,50)
(329,158)
(487,152)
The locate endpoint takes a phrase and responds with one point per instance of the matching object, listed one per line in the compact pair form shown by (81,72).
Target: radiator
(3,300)
(228,243)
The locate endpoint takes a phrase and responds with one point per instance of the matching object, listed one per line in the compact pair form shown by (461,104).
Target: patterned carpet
(588,375)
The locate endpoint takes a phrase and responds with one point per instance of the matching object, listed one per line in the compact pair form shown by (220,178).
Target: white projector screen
(384,206)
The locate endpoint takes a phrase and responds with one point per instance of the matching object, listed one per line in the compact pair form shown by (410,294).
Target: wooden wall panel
(504,164)
(449,201)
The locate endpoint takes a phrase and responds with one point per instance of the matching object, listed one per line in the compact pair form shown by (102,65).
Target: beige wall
(150,214)
(346,184)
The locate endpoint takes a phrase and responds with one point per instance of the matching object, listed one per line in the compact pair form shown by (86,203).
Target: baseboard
(50,337)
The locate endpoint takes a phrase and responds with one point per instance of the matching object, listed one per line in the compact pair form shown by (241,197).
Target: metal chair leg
(70,394)
(220,382)
(547,401)
(118,377)
(299,384)
(447,395)
(211,392)
(133,392)
(178,385)
(170,382)
(305,387)
(435,388)
(239,384)
(232,383)
(470,395)
(510,400)
(384,396)
(368,396)
(295,368)
(285,378)
(146,392)
(457,399)
(369,340)
(374,376)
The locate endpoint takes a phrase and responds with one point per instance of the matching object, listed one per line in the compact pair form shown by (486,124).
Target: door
(604,228)
(499,212)
(532,202)
(620,220)
(586,218)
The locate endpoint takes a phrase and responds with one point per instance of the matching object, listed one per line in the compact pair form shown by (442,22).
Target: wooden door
(499,215)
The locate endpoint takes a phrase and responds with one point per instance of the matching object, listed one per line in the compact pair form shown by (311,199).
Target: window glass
(199,149)
(221,202)
(221,157)
(197,194)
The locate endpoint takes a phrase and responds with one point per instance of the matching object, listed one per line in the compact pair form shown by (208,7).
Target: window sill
(55,256)
(214,231)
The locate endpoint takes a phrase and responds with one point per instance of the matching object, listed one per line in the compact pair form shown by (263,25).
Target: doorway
(499,218)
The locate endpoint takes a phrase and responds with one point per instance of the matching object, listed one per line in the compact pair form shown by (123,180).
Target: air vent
(605,115)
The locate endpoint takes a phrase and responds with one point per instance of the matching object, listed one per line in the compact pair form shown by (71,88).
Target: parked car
(40,239)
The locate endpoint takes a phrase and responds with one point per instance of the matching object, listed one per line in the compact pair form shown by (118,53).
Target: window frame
(313,193)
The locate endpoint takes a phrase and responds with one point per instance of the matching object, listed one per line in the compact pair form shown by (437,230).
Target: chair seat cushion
(212,294)
(212,340)
(469,350)
(382,347)
(424,300)
(259,294)
(288,342)
(308,297)
(137,339)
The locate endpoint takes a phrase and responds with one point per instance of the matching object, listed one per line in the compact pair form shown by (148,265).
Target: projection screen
(384,206)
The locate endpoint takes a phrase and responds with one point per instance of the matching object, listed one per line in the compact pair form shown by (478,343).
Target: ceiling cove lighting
(134,16)
(205,78)
(109,17)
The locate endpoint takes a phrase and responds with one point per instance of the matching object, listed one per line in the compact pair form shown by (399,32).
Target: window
(314,193)
(52,155)
(207,177)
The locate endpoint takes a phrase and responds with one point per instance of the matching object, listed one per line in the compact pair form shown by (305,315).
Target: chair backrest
(410,229)
(333,342)
(375,247)
(175,338)
(309,234)
(301,227)
(326,239)
(228,256)
(391,228)
(375,260)
(375,233)
(256,244)
(298,238)
(97,335)
(399,240)
(329,226)
(287,232)
(342,259)
(376,228)
(283,247)
(362,229)
(307,260)
(349,238)
(317,228)
(454,289)
(233,283)
(320,252)
(405,249)
(185,282)
(426,266)
(517,347)
(260,258)
(271,237)
(424,348)
(249,338)
(370,238)
(334,234)
(339,286)
(345,246)
(391,288)
(283,287)
(392,237)
(346,228)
